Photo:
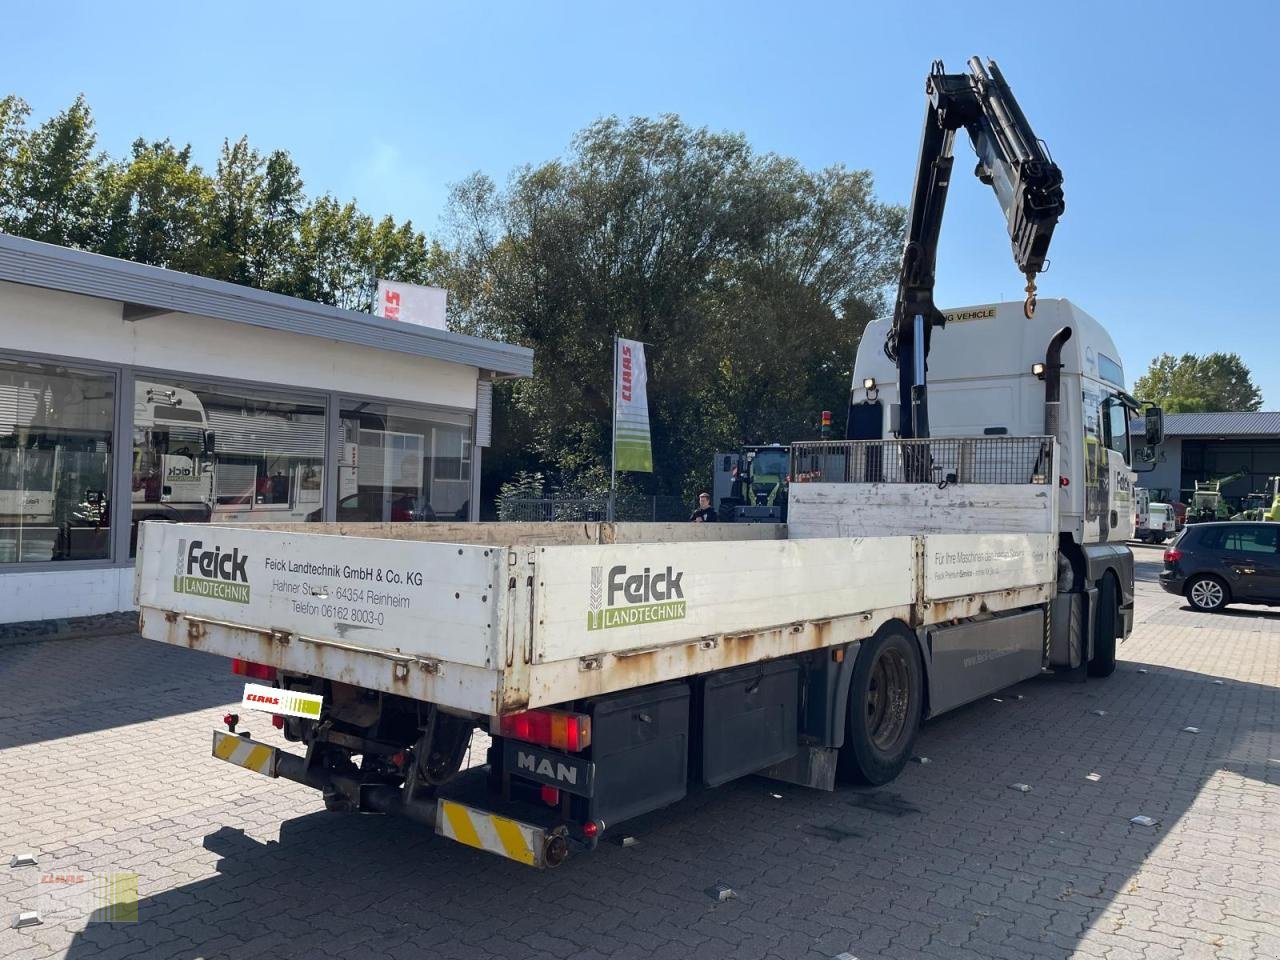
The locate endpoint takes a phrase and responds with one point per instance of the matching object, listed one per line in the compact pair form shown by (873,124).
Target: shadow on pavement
(1248,612)
(947,856)
(146,680)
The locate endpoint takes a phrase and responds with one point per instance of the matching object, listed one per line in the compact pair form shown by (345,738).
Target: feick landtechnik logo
(627,600)
(212,573)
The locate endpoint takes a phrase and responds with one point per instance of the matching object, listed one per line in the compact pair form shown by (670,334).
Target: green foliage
(151,207)
(248,222)
(52,172)
(522,486)
(1215,382)
(750,277)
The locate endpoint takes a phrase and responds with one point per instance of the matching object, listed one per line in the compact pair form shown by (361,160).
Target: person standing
(705,512)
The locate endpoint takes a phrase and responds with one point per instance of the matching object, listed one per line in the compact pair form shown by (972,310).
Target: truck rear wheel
(885,699)
(1103,661)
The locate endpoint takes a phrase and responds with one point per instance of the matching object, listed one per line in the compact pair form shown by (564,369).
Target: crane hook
(1029,305)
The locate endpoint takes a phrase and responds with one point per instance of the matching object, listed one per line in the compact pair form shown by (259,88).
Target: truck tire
(886,697)
(1103,661)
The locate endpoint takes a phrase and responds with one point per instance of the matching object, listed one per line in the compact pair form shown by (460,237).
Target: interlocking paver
(104,768)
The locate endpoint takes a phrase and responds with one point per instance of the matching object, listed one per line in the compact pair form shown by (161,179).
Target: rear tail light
(1172,555)
(549,728)
(255,671)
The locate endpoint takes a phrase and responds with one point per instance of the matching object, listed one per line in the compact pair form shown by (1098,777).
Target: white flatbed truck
(616,668)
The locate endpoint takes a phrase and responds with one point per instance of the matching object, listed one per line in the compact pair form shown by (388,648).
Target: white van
(1157,525)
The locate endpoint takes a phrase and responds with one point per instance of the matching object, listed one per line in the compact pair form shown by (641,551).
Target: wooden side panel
(904,509)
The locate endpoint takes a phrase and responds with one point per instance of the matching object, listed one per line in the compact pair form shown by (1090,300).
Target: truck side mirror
(208,443)
(1154,427)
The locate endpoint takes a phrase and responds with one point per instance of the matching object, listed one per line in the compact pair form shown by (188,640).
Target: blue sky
(1162,115)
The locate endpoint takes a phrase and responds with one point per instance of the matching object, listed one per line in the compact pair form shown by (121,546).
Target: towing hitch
(472,826)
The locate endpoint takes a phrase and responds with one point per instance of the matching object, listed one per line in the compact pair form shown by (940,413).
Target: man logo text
(560,772)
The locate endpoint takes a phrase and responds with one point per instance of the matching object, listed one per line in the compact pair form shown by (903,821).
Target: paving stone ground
(104,769)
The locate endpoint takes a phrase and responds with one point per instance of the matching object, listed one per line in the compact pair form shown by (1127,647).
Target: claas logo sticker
(287,703)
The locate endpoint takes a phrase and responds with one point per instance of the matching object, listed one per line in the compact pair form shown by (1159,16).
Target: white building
(130,392)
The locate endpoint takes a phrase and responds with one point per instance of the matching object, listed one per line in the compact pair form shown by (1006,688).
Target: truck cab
(986,378)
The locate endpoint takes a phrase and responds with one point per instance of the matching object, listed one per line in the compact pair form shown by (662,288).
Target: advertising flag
(632,449)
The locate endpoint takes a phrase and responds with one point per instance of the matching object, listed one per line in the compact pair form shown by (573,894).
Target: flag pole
(613,454)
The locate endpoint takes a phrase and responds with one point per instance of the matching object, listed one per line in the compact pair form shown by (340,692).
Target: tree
(750,277)
(280,203)
(1215,382)
(13,136)
(150,208)
(53,173)
(250,222)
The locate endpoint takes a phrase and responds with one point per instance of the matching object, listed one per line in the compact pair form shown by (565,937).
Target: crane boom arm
(1028,184)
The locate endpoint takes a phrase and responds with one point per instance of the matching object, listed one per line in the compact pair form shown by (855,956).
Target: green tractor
(1262,506)
(750,486)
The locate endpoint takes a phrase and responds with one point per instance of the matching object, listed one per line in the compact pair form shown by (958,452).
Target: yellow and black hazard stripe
(244,752)
(488,831)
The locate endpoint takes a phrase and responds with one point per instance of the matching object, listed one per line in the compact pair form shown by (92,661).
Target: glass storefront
(204,452)
(207,452)
(56,427)
(402,464)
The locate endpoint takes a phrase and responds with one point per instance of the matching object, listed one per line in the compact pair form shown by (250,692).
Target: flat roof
(151,289)
(1255,423)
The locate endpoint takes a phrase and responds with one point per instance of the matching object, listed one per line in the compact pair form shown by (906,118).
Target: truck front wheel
(1103,661)
(885,698)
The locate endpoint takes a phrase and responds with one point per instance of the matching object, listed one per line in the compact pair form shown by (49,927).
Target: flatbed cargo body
(541,614)
(618,667)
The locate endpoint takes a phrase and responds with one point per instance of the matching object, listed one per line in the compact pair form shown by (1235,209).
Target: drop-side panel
(897,509)
(423,599)
(606,599)
(957,565)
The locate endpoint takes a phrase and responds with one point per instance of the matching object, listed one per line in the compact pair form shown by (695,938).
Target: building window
(55,462)
(210,453)
(403,464)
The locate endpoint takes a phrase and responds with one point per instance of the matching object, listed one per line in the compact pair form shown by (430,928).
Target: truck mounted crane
(1014,163)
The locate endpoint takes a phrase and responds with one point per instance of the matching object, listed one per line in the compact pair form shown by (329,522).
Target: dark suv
(1213,564)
